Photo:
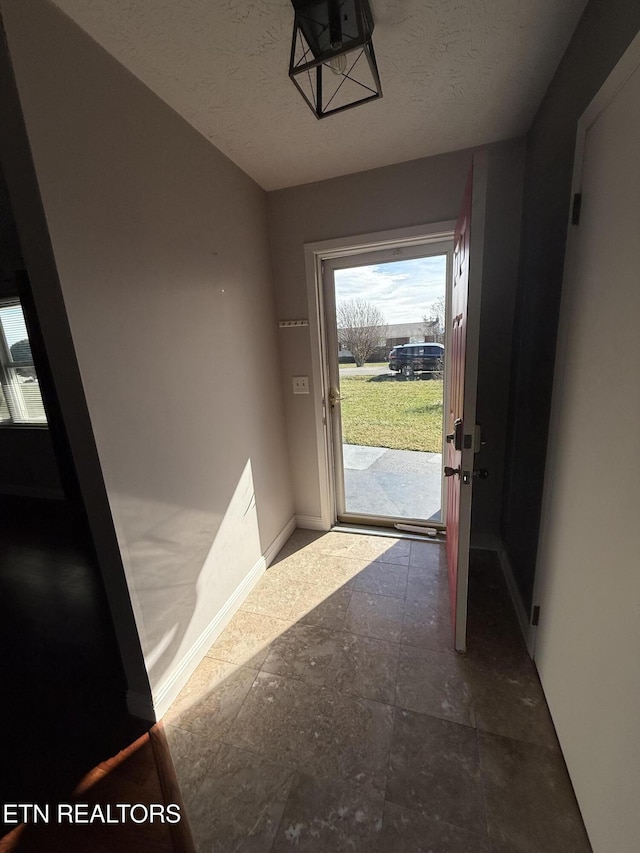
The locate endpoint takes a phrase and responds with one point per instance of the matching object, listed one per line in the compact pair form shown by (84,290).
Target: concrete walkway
(366,371)
(403,483)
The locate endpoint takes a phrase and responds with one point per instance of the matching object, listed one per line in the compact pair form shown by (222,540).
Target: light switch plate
(300,384)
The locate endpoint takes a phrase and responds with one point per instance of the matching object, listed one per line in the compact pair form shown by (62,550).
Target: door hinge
(575,210)
(535,615)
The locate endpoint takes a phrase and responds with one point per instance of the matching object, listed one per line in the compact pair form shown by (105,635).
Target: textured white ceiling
(455,73)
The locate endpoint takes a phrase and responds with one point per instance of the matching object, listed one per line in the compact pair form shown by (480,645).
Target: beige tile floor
(333,715)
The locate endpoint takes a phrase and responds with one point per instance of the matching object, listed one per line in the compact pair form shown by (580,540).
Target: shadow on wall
(186,564)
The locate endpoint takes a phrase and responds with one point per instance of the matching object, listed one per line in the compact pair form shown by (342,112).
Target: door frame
(315,253)
(329,267)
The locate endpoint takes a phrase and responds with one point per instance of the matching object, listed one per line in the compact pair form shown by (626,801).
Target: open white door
(462,438)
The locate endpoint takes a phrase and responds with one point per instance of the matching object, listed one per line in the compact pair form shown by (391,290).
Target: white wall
(404,195)
(588,640)
(162,250)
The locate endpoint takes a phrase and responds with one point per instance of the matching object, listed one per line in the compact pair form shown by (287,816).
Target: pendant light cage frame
(333,64)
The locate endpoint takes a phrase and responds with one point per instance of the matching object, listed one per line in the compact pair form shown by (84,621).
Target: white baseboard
(528,631)
(490,542)
(485,542)
(39,492)
(272,551)
(168,691)
(310,522)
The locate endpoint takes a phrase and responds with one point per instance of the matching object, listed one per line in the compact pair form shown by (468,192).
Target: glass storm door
(386,320)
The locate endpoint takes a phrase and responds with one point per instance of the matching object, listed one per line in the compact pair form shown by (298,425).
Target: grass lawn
(380,412)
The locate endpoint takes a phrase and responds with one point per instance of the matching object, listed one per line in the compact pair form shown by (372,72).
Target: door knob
(334,398)
(481,473)
(449,471)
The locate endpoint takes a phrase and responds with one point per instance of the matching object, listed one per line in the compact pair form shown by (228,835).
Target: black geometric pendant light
(332,60)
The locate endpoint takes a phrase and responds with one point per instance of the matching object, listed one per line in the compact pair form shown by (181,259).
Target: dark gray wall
(499,275)
(28,464)
(27,459)
(10,254)
(603,33)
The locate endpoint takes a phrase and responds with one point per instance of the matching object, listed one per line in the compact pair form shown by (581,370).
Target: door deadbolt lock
(456,435)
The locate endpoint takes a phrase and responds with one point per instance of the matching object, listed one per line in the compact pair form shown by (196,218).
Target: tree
(434,324)
(361,326)
(21,350)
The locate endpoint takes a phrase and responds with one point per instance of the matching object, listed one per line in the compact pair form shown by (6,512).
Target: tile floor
(333,715)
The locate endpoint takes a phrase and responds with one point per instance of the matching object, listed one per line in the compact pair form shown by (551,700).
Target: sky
(402,290)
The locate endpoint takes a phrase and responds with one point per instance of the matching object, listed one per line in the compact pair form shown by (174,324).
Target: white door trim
(424,249)
(314,254)
(627,64)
